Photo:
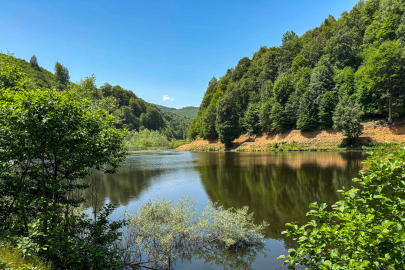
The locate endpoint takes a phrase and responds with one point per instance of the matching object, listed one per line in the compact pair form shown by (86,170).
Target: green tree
(347,118)
(321,79)
(48,140)
(61,75)
(136,107)
(265,111)
(385,74)
(241,69)
(299,62)
(277,117)
(152,119)
(326,108)
(283,88)
(345,82)
(227,124)
(193,130)
(252,119)
(308,117)
(209,123)
(34,62)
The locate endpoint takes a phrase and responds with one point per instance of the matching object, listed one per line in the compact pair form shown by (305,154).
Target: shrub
(365,230)
(164,232)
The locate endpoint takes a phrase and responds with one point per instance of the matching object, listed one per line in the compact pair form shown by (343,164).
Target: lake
(277,187)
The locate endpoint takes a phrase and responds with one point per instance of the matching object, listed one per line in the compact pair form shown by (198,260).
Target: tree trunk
(389,110)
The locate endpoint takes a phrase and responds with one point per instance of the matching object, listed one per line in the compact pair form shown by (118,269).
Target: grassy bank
(285,146)
(10,258)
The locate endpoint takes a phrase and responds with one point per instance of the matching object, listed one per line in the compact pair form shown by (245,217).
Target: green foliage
(39,76)
(347,118)
(209,120)
(308,118)
(189,112)
(360,55)
(326,108)
(165,232)
(345,82)
(385,74)
(252,121)
(76,242)
(364,230)
(34,62)
(114,99)
(283,88)
(299,62)
(11,258)
(227,124)
(48,140)
(265,120)
(241,69)
(277,118)
(61,75)
(147,139)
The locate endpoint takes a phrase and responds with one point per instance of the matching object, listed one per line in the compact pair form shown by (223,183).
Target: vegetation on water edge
(150,140)
(331,76)
(161,232)
(365,230)
(11,258)
(383,146)
(294,146)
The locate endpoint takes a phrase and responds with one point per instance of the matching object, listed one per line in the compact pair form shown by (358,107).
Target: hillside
(373,134)
(134,112)
(355,63)
(187,112)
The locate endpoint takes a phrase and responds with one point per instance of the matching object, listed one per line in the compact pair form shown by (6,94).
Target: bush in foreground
(161,232)
(365,230)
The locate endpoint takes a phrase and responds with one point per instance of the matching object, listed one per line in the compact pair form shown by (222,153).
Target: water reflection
(277,187)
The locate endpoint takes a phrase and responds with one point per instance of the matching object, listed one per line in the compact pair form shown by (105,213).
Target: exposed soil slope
(314,139)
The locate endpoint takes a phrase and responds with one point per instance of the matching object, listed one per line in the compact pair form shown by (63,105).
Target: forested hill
(188,112)
(133,112)
(357,61)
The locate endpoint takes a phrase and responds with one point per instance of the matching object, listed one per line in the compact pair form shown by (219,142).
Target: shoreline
(149,151)
(374,137)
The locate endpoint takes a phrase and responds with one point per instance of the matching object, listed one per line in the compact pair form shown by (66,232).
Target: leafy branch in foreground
(161,232)
(365,230)
(48,140)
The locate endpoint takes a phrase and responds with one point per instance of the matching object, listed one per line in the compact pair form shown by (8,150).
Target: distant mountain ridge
(188,112)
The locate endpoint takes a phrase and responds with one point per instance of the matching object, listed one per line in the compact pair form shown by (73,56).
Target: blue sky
(164,51)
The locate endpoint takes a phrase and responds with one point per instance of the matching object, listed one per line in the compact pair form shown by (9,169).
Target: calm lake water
(277,187)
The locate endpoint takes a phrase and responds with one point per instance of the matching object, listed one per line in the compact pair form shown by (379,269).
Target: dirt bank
(314,139)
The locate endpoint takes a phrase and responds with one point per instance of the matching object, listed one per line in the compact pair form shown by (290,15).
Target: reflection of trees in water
(120,188)
(240,258)
(273,185)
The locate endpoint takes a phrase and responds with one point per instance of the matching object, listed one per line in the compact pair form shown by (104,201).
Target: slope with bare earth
(326,139)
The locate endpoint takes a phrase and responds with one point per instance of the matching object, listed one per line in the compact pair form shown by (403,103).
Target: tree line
(353,64)
(133,112)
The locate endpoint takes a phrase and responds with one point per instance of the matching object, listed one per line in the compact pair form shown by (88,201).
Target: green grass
(181,142)
(383,146)
(10,258)
(207,149)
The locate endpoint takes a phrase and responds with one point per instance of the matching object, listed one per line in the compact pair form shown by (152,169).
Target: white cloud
(167,98)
